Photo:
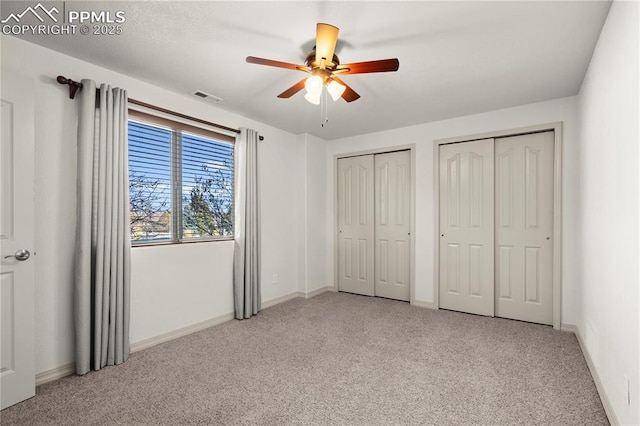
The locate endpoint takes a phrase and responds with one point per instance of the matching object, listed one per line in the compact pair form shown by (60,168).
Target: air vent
(208,97)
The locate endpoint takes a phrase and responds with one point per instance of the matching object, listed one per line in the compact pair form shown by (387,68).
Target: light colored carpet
(336,359)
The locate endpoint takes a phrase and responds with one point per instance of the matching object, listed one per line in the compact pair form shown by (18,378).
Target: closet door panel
(524,227)
(356,225)
(392,224)
(467,227)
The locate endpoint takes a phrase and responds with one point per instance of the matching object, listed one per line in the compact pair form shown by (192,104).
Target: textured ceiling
(456,58)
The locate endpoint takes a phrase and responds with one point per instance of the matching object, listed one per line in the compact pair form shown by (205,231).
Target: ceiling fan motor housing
(312,64)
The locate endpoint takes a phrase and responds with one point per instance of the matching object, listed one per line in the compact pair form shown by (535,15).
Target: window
(180,181)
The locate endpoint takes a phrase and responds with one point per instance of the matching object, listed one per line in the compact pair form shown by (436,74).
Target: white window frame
(177,125)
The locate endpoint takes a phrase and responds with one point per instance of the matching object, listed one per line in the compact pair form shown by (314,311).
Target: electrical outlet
(275,279)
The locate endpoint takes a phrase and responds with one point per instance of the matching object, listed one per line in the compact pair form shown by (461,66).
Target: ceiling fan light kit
(313,98)
(323,67)
(313,84)
(335,89)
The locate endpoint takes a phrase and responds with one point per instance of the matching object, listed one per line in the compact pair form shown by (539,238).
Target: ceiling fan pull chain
(321,114)
(325,105)
(323,108)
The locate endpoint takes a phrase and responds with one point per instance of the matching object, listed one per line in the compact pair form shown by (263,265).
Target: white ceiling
(456,58)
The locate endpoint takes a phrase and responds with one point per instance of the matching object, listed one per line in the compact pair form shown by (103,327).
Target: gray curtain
(103,248)
(246,259)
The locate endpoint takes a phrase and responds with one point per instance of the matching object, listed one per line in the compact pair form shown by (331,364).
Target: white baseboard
(423,304)
(69,369)
(315,292)
(278,300)
(608,408)
(569,328)
(55,373)
(147,343)
(295,295)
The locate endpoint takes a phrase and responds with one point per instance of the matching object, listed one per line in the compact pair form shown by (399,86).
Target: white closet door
(467,227)
(392,225)
(524,227)
(355,225)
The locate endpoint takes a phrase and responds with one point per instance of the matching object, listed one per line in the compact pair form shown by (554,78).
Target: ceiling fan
(323,67)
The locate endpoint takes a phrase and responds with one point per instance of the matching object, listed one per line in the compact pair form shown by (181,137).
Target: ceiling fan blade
(293,89)
(382,65)
(272,63)
(349,94)
(326,39)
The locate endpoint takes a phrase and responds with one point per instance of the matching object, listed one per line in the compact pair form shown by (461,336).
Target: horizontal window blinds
(181,181)
(207,186)
(150,181)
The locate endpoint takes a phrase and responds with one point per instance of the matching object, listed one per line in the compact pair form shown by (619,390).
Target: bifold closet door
(356,225)
(524,227)
(392,225)
(467,227)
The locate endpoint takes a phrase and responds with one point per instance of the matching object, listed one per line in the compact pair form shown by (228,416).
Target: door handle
(20,255)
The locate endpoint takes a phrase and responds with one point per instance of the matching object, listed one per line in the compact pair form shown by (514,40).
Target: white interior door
(392,225)
(524,227)
(467,227)
(355,225)
(17,300)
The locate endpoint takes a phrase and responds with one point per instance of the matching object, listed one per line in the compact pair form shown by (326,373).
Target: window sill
(174,243)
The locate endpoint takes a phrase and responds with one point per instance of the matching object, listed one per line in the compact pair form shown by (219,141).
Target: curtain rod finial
(73,85)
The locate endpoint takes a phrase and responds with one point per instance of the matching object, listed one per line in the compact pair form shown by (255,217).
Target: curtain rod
(74,86)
